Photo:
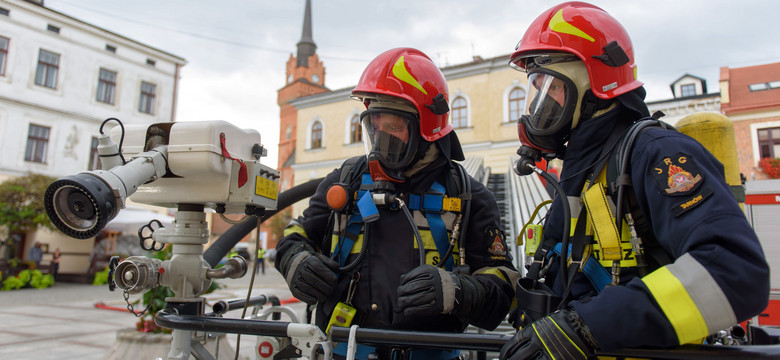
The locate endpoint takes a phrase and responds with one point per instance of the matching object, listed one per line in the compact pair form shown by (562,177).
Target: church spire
(306,47)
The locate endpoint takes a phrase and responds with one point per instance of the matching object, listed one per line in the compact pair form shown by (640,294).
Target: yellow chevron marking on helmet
(399,70)
(558,24)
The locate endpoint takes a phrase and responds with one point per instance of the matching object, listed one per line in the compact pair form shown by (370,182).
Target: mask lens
(387,134)
(549,98)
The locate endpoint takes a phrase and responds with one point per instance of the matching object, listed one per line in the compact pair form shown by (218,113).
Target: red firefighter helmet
(591,34)
(411,75)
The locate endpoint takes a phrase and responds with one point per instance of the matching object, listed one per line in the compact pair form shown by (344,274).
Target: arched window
(516,104)
(355,131)
(459,113)
(288,132)
(316,135)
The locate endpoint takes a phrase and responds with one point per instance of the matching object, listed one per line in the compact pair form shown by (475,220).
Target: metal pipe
(431,340)
(222,325)
(463,341)
(221,307)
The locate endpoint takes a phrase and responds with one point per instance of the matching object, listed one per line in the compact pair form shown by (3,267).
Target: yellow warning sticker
(265,187)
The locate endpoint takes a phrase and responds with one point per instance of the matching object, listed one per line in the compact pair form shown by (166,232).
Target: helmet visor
(387,136)
(553,98)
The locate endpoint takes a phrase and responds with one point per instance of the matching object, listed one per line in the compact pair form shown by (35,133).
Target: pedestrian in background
(260,259)
(55,263)
(36,254)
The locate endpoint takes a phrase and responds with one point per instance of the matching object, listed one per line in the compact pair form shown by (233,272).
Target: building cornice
(59,17)
(476,68)
(48,109)
(317,165)
(450,73)
(322,99)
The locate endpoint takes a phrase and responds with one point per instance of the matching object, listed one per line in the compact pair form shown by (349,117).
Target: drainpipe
(175,91)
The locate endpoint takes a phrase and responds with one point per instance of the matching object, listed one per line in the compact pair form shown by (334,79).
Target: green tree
(21,203)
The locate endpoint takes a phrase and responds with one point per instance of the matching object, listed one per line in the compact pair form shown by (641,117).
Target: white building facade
(60,78)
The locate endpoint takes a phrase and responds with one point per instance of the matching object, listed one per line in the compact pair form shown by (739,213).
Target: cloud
(237,49)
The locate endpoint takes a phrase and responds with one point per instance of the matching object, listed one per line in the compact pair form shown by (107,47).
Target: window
(355,130)
(765,86)
(687,90)
(111,48)
(315,78)
(150,62)
(769,142)
(4,11)
(37,142)
(288,132)
(48,65)
(94,158)
(316,135)
(459,113)
(52,28)
(516,104)
(106,86)
(3,54)
(146,103)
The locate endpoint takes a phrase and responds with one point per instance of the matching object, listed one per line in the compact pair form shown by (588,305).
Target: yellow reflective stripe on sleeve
(294,229)
(691,299)
(677,305)
(492,271)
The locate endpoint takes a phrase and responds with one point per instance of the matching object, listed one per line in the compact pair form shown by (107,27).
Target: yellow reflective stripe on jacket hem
(690,298)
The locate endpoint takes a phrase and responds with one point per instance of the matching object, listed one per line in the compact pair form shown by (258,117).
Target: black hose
(226,241)
(417,236)
(566,227)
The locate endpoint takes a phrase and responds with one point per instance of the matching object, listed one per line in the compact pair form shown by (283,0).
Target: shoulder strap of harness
(619,184)
(351,169)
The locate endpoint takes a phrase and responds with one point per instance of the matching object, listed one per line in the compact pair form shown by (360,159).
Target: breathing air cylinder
(716,132)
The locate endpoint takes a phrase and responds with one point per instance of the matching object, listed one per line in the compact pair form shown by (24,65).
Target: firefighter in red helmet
(641,244)
(401,237)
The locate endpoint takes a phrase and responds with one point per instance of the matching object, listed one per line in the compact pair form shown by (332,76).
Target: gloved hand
(430,290)
(560,335)
(311,276)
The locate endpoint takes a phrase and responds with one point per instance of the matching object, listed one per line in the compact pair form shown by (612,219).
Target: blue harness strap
(367,212)
(432,205)
(593,271)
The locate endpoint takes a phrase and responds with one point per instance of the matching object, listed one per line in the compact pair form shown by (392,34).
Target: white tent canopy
(129,220)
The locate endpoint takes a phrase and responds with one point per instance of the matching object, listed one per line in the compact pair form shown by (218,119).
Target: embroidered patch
(498,241)
(676,175)
(691,203)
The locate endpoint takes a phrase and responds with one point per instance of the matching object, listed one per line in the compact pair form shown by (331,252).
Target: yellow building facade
(488,95)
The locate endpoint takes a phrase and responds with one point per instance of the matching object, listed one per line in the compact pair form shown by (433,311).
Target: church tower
(305,76)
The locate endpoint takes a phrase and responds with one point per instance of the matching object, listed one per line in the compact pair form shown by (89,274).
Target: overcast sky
(237,49)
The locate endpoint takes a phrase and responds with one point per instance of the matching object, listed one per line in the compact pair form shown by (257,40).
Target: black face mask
(550,145)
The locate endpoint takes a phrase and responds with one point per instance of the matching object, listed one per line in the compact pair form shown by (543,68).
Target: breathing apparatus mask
(556,86)
(392,141)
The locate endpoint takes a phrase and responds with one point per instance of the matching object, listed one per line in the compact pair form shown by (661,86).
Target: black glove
(430,290)
(311,276)
(560,335)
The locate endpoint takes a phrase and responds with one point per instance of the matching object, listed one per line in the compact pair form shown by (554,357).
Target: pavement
(62,321)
